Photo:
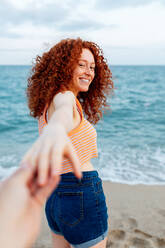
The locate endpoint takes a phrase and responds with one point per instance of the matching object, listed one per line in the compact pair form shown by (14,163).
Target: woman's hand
(47,153)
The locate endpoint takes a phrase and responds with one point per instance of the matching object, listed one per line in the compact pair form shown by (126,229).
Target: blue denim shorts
(77,209)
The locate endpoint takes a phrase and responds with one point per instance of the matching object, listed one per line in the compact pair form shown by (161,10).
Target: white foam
(159,155)
(6,159)
(132,166)
(117,164)
(6,172)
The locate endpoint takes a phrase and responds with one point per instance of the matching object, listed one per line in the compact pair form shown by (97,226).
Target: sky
(130,32)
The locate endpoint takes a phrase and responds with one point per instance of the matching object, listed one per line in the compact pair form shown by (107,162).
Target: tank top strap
(79,107)
(45,113)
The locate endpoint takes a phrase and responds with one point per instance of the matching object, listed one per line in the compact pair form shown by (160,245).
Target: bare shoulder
(64,98)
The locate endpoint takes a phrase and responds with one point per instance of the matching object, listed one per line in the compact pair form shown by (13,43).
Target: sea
(130,136)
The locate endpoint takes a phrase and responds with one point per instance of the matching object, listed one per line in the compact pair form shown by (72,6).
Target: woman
(70,78)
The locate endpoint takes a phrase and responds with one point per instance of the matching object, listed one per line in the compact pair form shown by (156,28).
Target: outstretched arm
(47,152)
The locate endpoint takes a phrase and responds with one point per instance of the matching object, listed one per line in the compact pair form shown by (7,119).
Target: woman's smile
(84,72)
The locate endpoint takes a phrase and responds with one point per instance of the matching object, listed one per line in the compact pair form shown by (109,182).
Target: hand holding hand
(47,153)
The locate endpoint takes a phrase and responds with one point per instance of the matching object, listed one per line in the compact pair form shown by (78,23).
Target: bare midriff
(87,166)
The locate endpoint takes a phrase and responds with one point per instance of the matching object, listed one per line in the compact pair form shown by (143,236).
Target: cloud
(81,25)
(5,32)
(15,50)
(16,19)
(26,25)
(49,14)
(111,4)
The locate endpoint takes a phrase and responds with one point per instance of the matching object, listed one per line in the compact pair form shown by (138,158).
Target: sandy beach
(136,217)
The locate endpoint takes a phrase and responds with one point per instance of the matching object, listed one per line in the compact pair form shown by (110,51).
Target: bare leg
(59,241)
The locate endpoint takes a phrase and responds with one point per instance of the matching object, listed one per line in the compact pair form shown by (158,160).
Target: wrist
(54,128)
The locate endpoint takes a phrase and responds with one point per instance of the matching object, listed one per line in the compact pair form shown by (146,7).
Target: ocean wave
(132,165)
(130,136)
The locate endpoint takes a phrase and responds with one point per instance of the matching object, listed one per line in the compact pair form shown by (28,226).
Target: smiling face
(84,72)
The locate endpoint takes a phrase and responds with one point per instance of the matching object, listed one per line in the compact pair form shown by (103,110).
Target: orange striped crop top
(83,138)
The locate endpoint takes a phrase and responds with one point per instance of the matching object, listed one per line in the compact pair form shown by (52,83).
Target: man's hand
(21,202)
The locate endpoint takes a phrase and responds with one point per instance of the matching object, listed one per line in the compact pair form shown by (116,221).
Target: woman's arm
(63,104)
(47,153)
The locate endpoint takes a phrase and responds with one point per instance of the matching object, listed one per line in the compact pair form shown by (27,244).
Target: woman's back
(83,137)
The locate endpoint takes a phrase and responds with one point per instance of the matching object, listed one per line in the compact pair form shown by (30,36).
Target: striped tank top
(83,138)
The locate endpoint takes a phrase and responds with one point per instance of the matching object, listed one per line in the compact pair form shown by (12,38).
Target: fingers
(38,157)
(47,154)
(48,173)
(43,163)
(42,193)
(56,160)
(75,161)
(31,156)
(56,163)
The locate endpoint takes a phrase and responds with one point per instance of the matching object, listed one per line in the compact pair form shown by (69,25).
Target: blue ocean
(130,137)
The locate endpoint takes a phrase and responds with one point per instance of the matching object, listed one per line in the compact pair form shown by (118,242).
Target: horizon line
(110,65)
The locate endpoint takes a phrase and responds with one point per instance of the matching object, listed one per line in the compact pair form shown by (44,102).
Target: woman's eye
(81,65)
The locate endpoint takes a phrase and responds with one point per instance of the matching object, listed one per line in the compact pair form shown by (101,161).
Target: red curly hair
(52,73)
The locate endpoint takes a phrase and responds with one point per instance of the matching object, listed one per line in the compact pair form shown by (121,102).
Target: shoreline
(136,217)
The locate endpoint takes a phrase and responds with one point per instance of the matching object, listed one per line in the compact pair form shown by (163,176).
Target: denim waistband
(86,175)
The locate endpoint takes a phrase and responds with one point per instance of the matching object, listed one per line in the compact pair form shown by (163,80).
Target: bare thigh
(60,242)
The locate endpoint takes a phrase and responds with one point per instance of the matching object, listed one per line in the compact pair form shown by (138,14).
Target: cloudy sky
(130,32)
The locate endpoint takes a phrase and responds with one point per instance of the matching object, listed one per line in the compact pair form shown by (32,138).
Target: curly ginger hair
(52,73)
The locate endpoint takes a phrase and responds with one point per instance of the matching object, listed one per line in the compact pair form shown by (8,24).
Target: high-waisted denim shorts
(77,209)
